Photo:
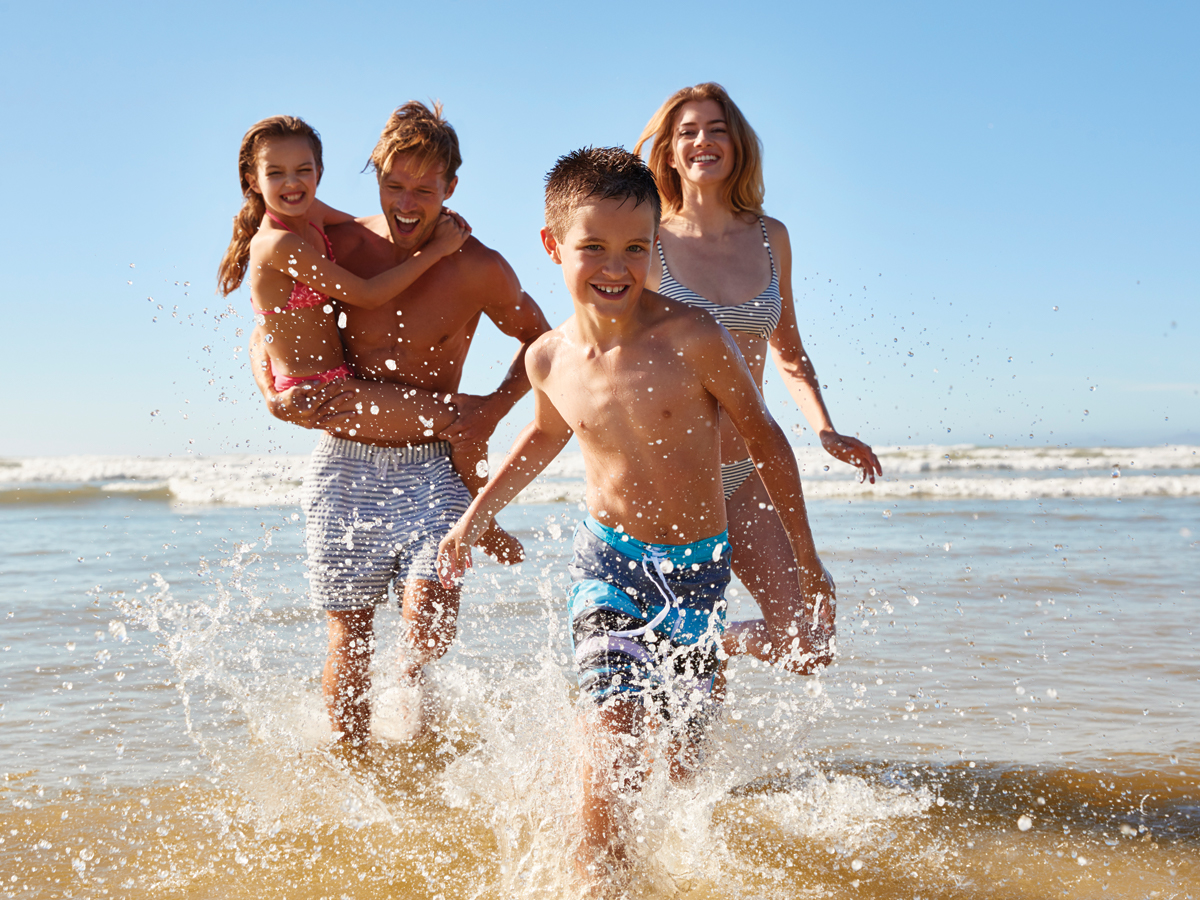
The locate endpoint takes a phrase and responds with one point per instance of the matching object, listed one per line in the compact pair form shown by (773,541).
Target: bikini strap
(278,221)
(767,243)
(662,257)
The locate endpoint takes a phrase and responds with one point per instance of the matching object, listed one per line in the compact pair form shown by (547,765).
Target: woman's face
(702,151)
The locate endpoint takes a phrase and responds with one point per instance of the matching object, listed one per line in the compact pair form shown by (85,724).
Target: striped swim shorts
(375,516)
(647,619)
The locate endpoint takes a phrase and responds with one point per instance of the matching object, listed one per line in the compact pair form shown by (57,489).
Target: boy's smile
(606,253)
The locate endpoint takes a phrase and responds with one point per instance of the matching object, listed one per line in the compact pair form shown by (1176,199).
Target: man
(375,514)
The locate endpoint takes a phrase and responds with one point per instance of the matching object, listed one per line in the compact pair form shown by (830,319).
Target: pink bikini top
(302,296)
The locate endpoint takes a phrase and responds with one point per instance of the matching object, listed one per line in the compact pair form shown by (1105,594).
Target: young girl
(279,241)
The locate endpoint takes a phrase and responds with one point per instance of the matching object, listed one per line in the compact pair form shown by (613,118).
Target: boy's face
(606,253)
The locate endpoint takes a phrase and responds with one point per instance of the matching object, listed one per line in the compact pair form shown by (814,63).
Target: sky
(994,209)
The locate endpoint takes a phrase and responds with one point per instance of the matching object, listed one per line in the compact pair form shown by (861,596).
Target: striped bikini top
(757,316)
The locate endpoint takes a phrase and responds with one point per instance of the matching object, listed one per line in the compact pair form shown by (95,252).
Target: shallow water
(1026,728)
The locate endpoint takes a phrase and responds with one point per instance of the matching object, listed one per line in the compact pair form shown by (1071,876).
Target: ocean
(1014,712)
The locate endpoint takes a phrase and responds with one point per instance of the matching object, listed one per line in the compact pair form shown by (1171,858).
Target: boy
(638,379)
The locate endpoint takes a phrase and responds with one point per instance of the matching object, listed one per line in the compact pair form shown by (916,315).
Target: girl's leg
(391,415)
(763,560)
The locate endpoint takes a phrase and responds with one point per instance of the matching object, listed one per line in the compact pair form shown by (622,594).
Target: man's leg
(431,614)
(346,678)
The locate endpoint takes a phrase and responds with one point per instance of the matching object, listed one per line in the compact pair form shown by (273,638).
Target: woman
(716,249)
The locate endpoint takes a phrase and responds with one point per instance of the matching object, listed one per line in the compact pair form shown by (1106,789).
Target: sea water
(1013,712)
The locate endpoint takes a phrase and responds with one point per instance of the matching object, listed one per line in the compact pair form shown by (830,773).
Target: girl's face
(702,151)
(286,175)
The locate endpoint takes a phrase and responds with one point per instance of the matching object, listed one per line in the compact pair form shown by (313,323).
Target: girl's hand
(450,233)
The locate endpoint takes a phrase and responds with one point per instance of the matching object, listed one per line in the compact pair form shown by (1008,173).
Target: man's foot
(500,545)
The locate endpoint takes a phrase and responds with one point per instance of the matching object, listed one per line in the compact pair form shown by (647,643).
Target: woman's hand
(854,452)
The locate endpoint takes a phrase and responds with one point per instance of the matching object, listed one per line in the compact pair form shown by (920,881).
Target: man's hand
(475,423)
(454,557)
(449,234)
(853,451)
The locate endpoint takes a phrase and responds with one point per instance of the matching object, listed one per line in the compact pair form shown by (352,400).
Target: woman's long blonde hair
(744,189)
(245,224)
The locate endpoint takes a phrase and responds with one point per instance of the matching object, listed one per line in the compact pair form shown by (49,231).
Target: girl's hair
(744,189)
(245,224)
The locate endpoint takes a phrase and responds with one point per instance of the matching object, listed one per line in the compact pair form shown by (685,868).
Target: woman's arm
(799,374)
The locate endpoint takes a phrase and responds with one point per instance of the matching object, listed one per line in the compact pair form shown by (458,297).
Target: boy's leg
(346,679)
(611,765)
(763,560)
(470,461)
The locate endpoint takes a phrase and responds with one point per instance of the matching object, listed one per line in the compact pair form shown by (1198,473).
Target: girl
(279,241)
(716,249)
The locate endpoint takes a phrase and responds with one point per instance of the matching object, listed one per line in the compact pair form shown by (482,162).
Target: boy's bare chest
(611,395)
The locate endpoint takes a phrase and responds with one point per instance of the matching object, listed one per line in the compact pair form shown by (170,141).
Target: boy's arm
(534,449)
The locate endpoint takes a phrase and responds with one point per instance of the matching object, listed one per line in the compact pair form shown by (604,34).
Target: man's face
(606,253)
(412,200)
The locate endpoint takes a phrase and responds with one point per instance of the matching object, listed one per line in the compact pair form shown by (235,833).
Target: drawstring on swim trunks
(656,557)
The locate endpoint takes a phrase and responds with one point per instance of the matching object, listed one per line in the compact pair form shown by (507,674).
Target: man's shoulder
(347,237)
(477,260)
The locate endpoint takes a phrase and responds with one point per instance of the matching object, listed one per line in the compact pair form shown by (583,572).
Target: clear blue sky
(950,174)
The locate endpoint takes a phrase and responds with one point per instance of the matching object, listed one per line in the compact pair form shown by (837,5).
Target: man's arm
(307,405)
(536,446)
(517,315)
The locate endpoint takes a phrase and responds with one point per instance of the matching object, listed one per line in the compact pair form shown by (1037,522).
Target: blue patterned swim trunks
(647,619)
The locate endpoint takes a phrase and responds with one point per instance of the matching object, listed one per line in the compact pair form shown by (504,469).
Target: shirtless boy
(376,511)
(639,379)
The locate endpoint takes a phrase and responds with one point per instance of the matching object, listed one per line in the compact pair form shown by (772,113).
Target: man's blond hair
(415,128)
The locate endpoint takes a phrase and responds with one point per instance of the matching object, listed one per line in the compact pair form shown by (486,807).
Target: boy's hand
(454,557)
(450,233)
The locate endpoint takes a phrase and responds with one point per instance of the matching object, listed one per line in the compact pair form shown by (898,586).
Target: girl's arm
(799,374)
(323,215)
(534,449)
(287,253)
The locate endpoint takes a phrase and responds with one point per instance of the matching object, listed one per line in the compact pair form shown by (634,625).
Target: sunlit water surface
(1014,713)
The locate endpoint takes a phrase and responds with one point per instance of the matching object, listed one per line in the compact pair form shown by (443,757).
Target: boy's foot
(500,545)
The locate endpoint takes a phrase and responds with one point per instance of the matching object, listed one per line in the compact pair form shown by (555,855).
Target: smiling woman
(723,249)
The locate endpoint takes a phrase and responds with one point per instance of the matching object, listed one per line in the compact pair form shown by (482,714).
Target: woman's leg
(763,560)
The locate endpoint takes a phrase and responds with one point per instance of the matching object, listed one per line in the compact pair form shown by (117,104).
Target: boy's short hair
(415,128)
(602,172)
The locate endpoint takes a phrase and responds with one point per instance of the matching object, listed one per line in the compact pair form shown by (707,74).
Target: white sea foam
(929,472)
